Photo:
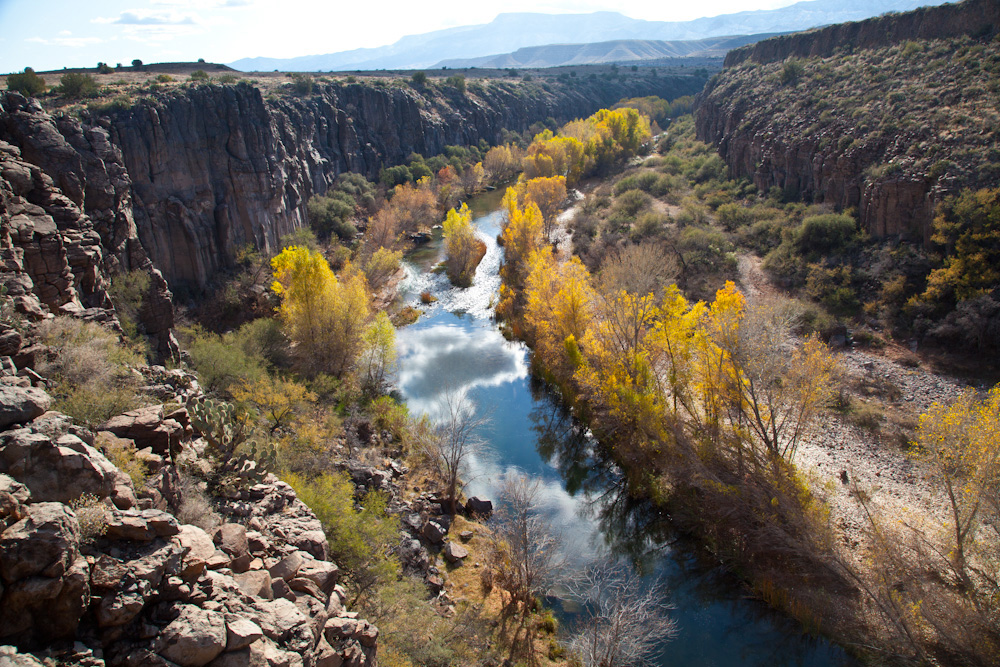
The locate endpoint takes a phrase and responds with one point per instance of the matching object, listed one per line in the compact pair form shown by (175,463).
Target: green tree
(379,357)
(361,537)
(419,78)
(27,83)
(75,84)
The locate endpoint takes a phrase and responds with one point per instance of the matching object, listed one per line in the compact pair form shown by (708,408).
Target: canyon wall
(176,182)
(217,167)
(887,116)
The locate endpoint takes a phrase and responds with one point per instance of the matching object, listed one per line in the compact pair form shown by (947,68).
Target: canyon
(887,116)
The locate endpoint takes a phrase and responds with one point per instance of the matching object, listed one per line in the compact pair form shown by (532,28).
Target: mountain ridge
(617,51)
(512,31)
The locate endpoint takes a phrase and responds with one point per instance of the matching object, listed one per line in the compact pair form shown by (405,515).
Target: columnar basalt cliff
(887,116)
(175,184)
(217,167)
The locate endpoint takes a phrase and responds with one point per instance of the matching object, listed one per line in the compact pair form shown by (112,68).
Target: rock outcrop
(888,116)
(951,20)
(66,225)
(126,583)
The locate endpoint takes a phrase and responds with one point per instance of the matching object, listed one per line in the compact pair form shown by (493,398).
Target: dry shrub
(196,507)
(92,370)
(91,515)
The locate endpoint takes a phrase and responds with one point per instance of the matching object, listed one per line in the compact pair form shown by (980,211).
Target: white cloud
(71,42)
(146,17)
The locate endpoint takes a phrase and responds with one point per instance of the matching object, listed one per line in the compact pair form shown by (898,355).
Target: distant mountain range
(509,32)
(617,51)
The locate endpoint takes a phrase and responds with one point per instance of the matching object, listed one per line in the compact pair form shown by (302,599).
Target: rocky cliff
(971,17)
(887,116)
(66,222)
(176,182)
(216,167)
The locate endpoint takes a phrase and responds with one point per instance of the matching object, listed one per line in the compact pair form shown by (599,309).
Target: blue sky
(51,34)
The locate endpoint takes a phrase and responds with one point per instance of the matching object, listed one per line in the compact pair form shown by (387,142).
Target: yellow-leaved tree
(547,193)
(558,312)
(463,250)
(522,235)
(323,316)
(960,444)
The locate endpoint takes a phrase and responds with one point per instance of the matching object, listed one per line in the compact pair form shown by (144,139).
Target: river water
(455,345)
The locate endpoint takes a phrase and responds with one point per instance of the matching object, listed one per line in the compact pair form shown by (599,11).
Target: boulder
(434,532)
(322,573)
(478,507)
(128,525)
(199,549)
(10,657)
(59,469)
(147,427)
(241,632)
(454,552)
(45,542)
(10,341)
(232,539)
(13,497)
(19,405)
(255,583)
(194,638)
(287,567)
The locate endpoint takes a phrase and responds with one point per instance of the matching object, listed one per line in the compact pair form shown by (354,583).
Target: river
(456,345)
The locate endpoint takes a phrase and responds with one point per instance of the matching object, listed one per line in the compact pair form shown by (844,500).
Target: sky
(52,34)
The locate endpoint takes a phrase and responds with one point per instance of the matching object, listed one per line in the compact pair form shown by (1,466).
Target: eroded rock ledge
(256,590)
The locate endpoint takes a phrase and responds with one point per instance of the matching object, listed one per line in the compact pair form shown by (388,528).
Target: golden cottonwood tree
(323,316)
(960,444)
(522,235)
(558,312)
(547,193)
(463,249)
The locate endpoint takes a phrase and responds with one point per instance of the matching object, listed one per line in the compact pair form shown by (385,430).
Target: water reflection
(456,345)
(444,357)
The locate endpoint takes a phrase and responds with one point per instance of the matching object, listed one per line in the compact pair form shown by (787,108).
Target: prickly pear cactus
(225,430)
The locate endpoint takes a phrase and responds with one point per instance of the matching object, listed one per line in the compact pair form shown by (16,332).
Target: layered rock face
(953,20)
(887,116)
(217,167)
(176,184)
(66,222)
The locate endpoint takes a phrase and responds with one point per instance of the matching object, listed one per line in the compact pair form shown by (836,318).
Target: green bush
(227,78)
(165,78)
(332,214)
(128,292)
(302,84)
(630,202)
(419,78)
(122,453)
(456,81)
(27,83)
(361,539)
(825,233)
(221,363)
(199,75)
(75,84)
